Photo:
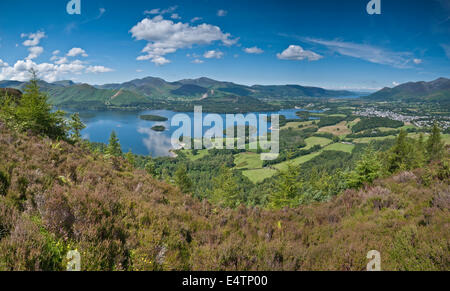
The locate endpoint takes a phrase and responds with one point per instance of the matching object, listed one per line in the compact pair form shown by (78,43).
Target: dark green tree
(34,113)
(287,188)
(401,156)
(368,168)
(435,145)
(150,168)
(113,147)
(182,180)
(130,158)
(76,126)
(226,189)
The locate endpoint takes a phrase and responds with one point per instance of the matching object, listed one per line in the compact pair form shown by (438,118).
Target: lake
(136,134)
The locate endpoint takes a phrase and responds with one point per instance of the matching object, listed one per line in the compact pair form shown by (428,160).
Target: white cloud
(197,61)
(77,51)
(161,11)
(213,54)
(297,53)
(98,69)
(222,13)
(55,52)
(46,71)
(417,61)
(196,19)
(253,50)
(395,84)
(60,61)
(3,64)
(60,70)
(175,16)
(368,53)
(33,38)
(165,37)
(35,51)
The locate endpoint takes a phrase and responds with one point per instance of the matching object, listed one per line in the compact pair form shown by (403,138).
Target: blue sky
(332,44)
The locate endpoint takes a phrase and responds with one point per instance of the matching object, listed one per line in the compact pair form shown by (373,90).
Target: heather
(59,193)
(55,197)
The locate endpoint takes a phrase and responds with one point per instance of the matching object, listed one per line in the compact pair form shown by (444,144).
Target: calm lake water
(137,135)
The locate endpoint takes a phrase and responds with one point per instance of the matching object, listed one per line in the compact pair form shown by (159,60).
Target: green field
(297,161)
(348,148)
(369,139)
(312,141)
(200,154)
(248,161)
(259,175)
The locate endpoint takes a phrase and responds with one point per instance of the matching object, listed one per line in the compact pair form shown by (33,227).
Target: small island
(158,128)
(154,118)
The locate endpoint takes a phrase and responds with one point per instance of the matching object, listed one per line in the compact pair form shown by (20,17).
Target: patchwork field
(259,175)
(348,148)
(352,123)
(338,129)
(200,154)
(296,124)
(297,161)
(314,140)
(369,139)
(248,160)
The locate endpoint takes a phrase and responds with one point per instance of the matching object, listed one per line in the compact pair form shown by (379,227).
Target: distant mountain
(435,91)
(189,90)
(155,87)
(156,92)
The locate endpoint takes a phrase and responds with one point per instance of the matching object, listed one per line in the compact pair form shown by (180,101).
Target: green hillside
(435,91)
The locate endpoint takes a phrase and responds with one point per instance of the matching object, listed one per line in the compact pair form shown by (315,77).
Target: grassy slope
(63,197)
(348,148)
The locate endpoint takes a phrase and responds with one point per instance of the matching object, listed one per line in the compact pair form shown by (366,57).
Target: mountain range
(154,92)
(215,95)
(437,91)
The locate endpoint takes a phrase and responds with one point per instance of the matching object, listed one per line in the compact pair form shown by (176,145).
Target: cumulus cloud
(47,71)
(3,64)
(33,38)
(253,50)
(297,53)
(62,67)
(367,52)
(222,13)
(175,16)
(417,61)
(98,69)
(35,51)
(165,37)
(60,61)
(213,54)
(77,51)
(197,61)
